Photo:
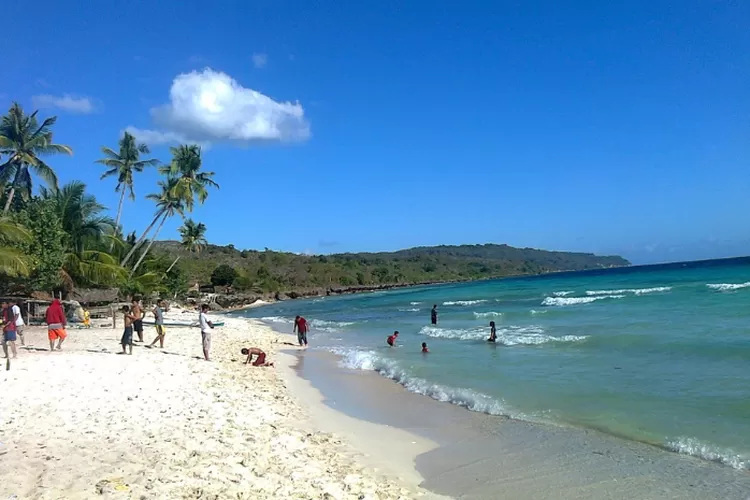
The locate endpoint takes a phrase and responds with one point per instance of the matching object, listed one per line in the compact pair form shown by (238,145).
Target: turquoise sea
(658,354)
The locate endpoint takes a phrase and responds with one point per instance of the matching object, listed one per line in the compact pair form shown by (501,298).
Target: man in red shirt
(300,326)
(391,340)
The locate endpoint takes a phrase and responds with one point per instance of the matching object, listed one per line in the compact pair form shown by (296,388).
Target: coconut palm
(192,183)
(87,231)
(124,164)
(13,262)
(193,238)
(168,204)
(23,140)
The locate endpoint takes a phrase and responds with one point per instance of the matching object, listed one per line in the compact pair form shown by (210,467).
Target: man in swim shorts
(159,323)
(20,325)
(260,360)
(127,334)
(138,313)
(56,322)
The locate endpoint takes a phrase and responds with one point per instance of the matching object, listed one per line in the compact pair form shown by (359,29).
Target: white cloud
(210,106)
(260,60)
(67,103)
(154,137)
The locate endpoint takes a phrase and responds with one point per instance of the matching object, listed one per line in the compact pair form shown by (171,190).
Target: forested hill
(270,271)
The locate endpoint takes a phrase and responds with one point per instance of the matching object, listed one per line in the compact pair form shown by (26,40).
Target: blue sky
(364,126)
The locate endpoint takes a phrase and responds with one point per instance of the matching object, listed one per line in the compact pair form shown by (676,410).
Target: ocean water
(657,354)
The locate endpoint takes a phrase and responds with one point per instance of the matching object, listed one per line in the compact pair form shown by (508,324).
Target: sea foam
(370,361)
(490,314)
(727,287)
(510,336)
(463,302)
(634,291)
(693,447)
(277,319)
(563,293)
(572,301)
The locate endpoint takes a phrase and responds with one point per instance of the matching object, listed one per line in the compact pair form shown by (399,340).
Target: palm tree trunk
(140,240)
(9,200)
(117,219)
(150,242)
(173,263)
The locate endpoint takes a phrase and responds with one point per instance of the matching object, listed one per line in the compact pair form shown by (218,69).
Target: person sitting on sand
(493,332)
(300,326)
(260,360)
(424,348)
(127,334)
(56,322)
(391,340)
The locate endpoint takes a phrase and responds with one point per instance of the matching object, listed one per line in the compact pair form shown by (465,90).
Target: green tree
(223,275)
(46,249)
(124,164)
(193,236)
(13,262)
(168,203)
(186,167)
(23,140)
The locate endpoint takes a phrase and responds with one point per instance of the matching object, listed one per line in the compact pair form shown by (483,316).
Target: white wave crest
(727,287)
(414,303)
(635,291)
(408,309)
(534,311)
(467,398)
(562,294)
(693,447)
(571,301)
(277,319)
(513,335)
(329,326)
(490,314)
(463,302)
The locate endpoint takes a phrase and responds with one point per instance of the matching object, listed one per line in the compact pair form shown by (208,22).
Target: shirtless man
(260,360)
(138,313)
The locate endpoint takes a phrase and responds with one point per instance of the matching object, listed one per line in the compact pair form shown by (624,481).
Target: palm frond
(13,262)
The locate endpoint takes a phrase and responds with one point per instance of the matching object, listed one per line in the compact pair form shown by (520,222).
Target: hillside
(270,271)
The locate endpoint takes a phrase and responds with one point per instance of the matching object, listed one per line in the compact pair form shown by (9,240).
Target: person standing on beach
(493,332)
(16,310)
(434,314)
(207,327)
(127,334)
(391,340)
(300,326)
(9,331)
(138,313)
(159,323)
(56,322)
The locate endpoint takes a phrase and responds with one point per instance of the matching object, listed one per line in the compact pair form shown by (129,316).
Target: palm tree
(168,204)
(193,238)
(87,230)
(13,262)
(24,140)
(192,183)
(124,164)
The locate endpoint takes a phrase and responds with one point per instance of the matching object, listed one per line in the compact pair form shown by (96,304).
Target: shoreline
(86,422)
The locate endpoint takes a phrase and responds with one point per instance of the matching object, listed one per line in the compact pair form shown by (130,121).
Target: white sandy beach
(89,423)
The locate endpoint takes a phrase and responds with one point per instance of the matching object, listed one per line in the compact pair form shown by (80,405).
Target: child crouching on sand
(127,334)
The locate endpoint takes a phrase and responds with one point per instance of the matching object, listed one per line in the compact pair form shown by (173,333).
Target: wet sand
(487,457)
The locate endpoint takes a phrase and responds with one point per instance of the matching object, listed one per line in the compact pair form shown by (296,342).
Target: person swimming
(391,340)
(493,332)
(424,347)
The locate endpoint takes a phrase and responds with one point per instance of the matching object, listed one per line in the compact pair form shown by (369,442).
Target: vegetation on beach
(57,238)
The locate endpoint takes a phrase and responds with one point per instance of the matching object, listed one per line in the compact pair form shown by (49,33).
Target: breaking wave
(408,309)
(277,319)
(571,301)
(467,398)
(695,448)
(490,314)
(562,294)
(534,311)
(510,336)
(727,287)
(463,302)
(634,291)
(414,303)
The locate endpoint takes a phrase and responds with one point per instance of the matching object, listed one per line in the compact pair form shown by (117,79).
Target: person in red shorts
(391,340)
(300,326)
(260,360)
(56,323)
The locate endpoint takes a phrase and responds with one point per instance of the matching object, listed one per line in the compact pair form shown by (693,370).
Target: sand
(89,423)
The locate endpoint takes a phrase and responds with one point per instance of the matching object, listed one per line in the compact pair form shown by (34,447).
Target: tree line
(60,237)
